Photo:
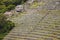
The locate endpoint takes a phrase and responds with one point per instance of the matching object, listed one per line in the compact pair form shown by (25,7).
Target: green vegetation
(7,5)
(36,4)
(5,26)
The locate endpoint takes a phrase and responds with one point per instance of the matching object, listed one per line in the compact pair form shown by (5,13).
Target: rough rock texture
(41,23)
(19,8)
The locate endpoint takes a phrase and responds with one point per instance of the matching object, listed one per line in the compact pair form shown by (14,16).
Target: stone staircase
(36,25)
